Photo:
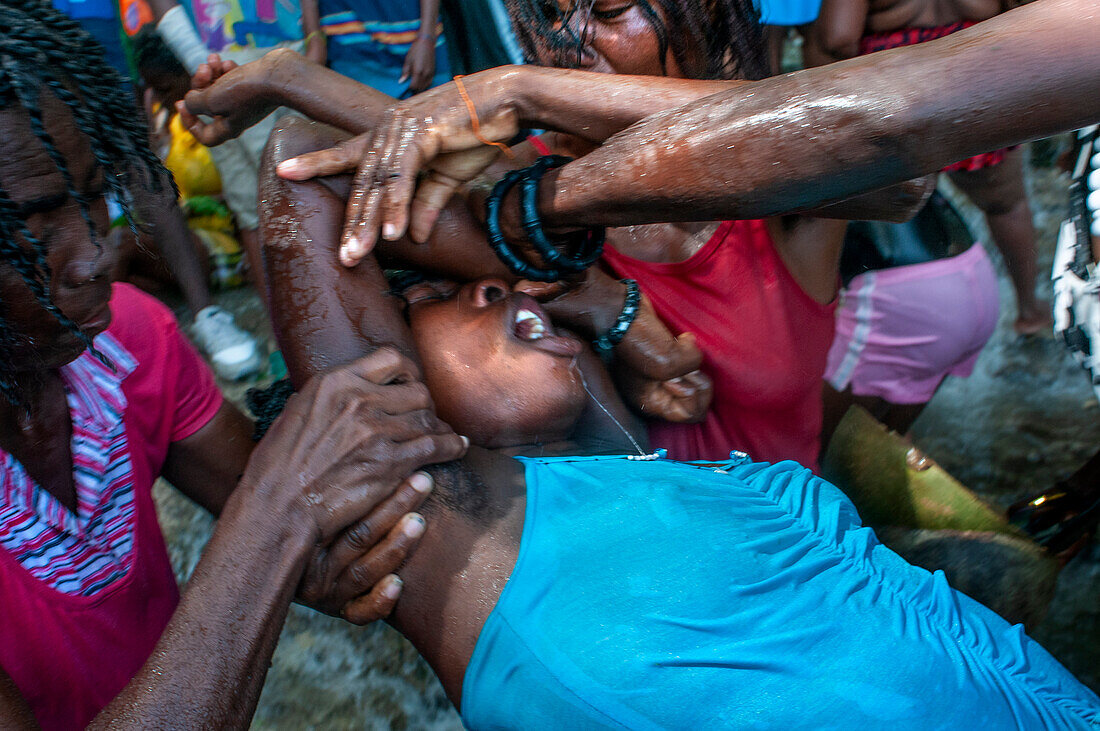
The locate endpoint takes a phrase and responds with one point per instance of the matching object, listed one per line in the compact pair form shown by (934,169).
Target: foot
(233,353)
(1034,319)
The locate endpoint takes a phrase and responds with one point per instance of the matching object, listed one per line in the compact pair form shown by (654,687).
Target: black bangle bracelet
(586,246)
(607,342)
(582,251)
(496,237)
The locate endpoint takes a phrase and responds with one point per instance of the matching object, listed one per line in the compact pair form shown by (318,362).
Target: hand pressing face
(497,370)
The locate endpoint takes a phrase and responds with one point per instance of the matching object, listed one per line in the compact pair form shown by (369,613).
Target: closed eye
(610,14)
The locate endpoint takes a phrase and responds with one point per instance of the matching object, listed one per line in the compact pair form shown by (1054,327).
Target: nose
(89,263)
(489,291)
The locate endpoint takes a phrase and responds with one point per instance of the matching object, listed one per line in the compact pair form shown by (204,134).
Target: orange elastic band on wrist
(474,120)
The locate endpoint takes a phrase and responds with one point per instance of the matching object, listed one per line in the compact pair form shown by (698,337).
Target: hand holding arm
(337,451)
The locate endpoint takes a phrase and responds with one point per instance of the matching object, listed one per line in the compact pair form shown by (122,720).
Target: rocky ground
(1025,418)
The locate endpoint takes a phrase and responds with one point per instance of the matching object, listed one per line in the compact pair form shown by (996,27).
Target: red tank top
(764,341)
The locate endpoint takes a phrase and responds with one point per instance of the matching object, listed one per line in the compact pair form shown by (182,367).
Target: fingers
(376,605)
(385,366)
(366,535)
(402,166)
(342,158)
(385,558)
(432,449)
(406,69)
(211,133)
(358,241)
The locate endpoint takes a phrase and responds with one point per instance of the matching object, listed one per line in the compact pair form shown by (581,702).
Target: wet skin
(785,144)
(477,356)
(325,313)
(265,549)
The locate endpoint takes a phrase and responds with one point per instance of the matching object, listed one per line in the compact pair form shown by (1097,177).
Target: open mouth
(531,324)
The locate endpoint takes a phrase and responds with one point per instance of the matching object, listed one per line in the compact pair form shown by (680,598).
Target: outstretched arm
(851,126)
(792,142)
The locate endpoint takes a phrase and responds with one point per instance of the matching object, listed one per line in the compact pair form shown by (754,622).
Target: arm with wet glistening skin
(785,144)
(846,127)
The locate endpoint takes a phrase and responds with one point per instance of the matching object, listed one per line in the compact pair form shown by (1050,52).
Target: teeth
(525,315)
(530,325)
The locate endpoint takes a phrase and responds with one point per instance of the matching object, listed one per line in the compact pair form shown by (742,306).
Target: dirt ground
(1025,418)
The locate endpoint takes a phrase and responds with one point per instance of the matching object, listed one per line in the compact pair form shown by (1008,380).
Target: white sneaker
(233,353)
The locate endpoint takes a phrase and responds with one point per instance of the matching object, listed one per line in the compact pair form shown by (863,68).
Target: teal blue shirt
(658,594)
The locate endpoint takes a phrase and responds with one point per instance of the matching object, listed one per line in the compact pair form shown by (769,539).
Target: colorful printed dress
(368,41)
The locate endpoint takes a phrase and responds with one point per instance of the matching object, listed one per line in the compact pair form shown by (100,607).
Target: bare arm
(848,127)
(239,96)
(314,474)
(782,145)
(207,465)
(836,33)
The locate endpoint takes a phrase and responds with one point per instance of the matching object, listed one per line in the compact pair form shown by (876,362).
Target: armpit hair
(459,489)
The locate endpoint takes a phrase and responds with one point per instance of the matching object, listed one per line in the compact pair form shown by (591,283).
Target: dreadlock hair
(41,48)
(728,32)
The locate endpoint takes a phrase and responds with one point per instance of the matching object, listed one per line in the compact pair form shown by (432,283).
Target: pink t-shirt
(84,597)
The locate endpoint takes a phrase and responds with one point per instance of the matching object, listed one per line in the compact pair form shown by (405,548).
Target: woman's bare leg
(1000,193)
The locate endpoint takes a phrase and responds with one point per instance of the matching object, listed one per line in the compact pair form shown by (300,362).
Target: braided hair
(728,32)
(41,48)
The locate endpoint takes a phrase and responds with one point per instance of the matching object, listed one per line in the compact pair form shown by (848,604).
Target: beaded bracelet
(607,342)
(581,252)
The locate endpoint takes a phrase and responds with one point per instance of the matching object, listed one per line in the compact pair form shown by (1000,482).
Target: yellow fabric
(190,163)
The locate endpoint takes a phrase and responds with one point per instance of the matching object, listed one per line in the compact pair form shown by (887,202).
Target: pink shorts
(901,331)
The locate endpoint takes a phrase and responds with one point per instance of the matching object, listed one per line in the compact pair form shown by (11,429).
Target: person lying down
(624,589)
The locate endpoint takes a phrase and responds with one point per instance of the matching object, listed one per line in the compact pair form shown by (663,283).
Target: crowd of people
(625,272)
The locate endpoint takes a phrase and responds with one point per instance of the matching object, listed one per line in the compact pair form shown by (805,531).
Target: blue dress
(368,40)
(657,594)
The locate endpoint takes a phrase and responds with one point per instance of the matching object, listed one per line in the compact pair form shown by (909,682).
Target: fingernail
(353,246)
(414,525)
(288,167)
(422,482)
(392,590)
(389,232)
(465,441)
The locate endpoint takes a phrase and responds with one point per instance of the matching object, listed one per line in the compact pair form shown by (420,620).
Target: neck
(453,580)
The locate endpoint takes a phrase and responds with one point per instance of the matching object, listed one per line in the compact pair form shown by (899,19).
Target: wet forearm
(595,106)
(818,136)
(322,94)
(209,665)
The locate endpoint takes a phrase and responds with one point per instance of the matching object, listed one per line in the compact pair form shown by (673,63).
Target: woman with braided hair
(100,394)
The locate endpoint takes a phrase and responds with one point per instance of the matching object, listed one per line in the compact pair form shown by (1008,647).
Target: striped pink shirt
(84,596)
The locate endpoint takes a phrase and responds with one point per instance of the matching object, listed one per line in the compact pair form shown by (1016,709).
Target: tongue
(558,345)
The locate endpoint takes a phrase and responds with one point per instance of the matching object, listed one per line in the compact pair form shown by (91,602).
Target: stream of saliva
(611,416)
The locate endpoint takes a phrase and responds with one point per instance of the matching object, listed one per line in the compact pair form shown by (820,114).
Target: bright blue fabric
(788,12)
(666,595)
(375,54)
(79,9)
